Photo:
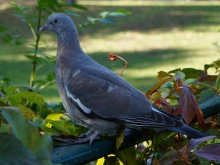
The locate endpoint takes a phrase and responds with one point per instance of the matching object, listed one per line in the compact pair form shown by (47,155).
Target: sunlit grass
(157,36)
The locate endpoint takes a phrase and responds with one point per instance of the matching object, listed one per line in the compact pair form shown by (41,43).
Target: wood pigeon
(96,96)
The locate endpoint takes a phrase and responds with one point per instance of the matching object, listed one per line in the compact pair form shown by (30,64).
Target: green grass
(157,36)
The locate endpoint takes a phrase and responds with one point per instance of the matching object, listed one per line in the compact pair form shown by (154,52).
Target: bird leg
(88,136)
(94,136)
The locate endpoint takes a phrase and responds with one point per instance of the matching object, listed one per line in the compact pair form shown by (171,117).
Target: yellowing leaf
(152,90)
(119,137)
(54,116)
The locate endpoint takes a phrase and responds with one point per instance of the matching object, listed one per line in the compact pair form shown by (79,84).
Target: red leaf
(200,118)
(192,144)
(189,107)
(195,142)
(210,152)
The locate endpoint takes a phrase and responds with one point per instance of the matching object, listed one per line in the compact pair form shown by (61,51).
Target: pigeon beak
(45,27)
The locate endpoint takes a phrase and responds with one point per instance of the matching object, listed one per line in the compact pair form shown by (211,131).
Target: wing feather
(112,98)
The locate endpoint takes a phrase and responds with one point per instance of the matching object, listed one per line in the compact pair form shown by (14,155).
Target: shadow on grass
(145,59)
(143,19)
(160,18)
(143,62)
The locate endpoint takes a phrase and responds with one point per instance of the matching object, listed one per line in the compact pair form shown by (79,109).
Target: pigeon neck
(70,42)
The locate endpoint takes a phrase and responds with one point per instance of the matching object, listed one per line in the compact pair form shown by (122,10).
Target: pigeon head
(59,23)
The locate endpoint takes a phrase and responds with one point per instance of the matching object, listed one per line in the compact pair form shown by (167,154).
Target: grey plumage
(98,97)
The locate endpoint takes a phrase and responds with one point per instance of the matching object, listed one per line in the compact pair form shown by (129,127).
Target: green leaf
(206,95)
(104,14)
(169,157)
(180,74)
(78,6)
(117,14)
(107,20)
(119,137)
(61,127)
(92,20)
(190,80)
(124,11)
(16,36)
(39,122)
(192,73)
(28,113)
(19,125)
(2,94)
(111,160)
(217,82)
(10,90)
(38,59)
(2,29)
(210,107)
(203,85)
(207,66)
(30,88)
(28,134)
(18,43)
(127,156)
(4,128)
(33,97)
(12,151)
(7,39)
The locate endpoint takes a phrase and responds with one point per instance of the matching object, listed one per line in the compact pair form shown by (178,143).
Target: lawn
(157,36)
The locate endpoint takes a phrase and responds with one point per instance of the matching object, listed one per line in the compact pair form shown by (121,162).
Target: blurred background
(157,36)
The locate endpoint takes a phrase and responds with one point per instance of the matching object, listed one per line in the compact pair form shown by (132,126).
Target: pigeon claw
(89,136)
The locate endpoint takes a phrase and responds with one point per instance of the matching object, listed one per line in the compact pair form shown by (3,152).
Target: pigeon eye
(56,20)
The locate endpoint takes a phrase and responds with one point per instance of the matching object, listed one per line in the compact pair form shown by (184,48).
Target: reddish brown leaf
(176,111)
(206,77)
(180,162)
(185,151)
(195,142)
(187,105)
(200,119)
(210,152)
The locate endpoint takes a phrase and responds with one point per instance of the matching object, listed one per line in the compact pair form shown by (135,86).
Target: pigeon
(96,96)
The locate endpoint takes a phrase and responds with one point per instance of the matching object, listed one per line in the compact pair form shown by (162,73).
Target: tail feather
(188,131)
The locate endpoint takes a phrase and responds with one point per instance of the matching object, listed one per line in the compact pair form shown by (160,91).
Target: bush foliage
(28,122)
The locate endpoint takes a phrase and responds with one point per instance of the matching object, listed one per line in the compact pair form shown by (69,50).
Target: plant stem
(34,62)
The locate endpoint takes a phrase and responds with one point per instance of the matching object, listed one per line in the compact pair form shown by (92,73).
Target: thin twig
(115,57)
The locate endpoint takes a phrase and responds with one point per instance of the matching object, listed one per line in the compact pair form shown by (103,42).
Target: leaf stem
(37,38)
(115,57)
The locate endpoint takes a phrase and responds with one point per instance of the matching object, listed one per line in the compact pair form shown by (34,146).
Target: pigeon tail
(188,131)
